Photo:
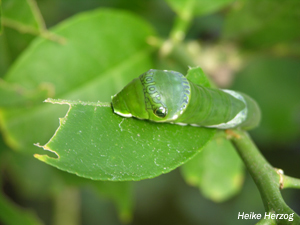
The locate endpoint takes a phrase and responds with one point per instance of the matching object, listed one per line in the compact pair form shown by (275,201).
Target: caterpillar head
(157,95)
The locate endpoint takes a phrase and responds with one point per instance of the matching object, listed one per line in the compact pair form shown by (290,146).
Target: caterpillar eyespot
(168,96)
(160,112)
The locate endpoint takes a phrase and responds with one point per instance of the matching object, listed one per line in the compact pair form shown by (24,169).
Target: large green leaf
(197,7)
(104,50)
(20,19)
(12,43)
(95,143)
(217,170)
(14,95)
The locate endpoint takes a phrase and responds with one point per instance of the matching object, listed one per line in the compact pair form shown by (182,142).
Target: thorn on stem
(280,173)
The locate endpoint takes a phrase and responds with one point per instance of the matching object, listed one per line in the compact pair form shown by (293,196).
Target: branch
(181,24)
(23,28)
(266,178)
(290,182)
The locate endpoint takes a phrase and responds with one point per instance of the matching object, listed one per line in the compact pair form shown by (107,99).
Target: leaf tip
(193,181)
(43,158)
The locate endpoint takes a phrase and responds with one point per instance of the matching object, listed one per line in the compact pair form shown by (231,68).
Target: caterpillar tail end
(254,114)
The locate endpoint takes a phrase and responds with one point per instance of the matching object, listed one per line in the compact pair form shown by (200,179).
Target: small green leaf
(217,170)
(95,143)
(196,7)
(197,76)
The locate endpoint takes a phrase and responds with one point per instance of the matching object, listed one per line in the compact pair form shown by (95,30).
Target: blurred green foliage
(220,169)
(246,45)
(277,93)
(260,24)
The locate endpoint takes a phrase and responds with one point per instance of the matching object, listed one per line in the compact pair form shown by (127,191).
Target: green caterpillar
(168,96)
